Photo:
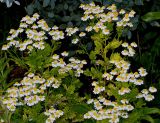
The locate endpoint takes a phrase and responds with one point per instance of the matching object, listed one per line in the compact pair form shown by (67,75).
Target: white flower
(130,24)
(131,51)
(30,75)
(122,11)
(98,89)
(124,115)
(82,34)
(132,13)
(64,53)
(75,41)
(123,91)
(136,75)
(22,47)
(107,76)
(138,82)
(142,72)
(145,91)
(101,99)
(125,44)
(55,56)
(90,101)
(105,31)
(133,44)
(140,95)
(152,89)
(5,47)
(87,116)
(124,101)
(55,27)
(2,121)
(125,53)
(149,97)
(129,107)
(36,15)
(89,28)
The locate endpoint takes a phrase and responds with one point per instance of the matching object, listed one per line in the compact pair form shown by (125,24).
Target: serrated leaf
(150,16)
(98,47)
(92,55)
(114,44)
(115,56)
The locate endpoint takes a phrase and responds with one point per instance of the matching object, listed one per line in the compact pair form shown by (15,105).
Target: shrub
(49,89)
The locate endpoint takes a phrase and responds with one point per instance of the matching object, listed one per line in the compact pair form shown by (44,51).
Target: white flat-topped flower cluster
(99,14)
(116,79)
(146,93)
(53,114)
(28,91)
(75,64)
(34,30)
(112,110)
(102,110)
(122,81)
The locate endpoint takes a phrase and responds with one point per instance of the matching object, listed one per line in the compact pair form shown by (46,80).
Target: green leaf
(46,3)
(156,120)
(92,55)
(151,110)
(80,108)
(150,16)
(89,121)
(50,14)
(139,2)
(114,44)
(98,47)
(29,9)
(133,117)
(53,4)
(115,56)
(65,6)
(147,118)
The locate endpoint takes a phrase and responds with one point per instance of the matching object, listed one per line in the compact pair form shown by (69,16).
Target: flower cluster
(28,91)
(106,109)
(97,88)
(114,79)
(74,64)
(56,34)
(123,78)
(146,94)
(53,114)
(129,51)
(35,31)
(95,12)
(70,31)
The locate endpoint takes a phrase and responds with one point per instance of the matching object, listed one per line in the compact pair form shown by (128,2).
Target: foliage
(57,11)
(10,2)
(150,16)
(58,62)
